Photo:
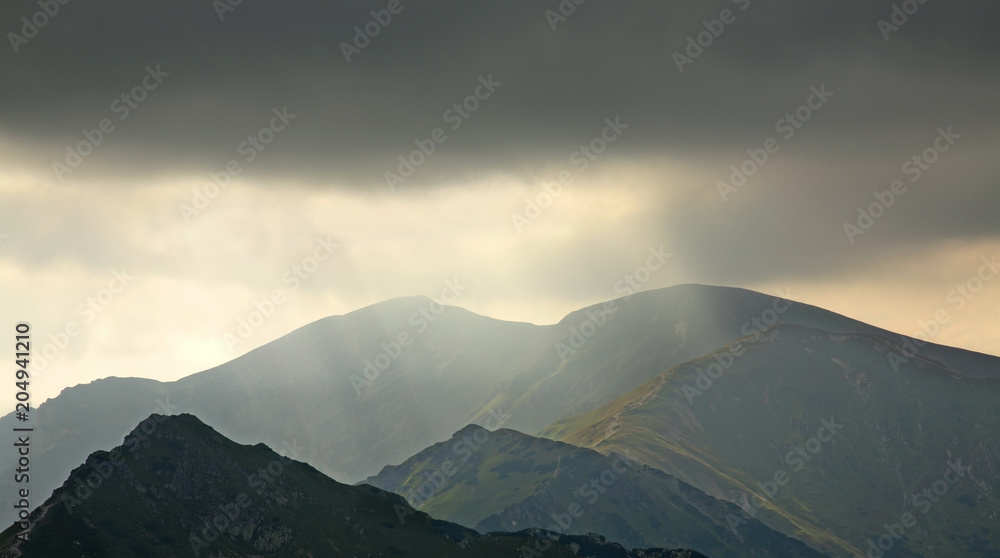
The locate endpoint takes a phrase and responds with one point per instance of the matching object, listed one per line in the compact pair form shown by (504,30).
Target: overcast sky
(118,119)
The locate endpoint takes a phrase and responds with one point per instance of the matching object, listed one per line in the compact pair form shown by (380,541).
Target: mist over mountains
(757,425)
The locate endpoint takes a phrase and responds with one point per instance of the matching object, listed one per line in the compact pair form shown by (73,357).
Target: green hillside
(766,433)
(506,480)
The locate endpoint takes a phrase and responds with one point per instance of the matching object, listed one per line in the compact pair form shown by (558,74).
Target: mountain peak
(174,495)
(158,425)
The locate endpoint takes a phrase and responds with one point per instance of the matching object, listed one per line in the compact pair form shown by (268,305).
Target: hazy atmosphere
(169,173)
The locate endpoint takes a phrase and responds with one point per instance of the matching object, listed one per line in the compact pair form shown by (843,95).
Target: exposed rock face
(176,487)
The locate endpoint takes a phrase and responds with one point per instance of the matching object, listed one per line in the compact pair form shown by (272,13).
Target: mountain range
(176,487)
(817,427)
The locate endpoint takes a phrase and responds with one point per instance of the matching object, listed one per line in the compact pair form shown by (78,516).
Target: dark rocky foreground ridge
(177,488)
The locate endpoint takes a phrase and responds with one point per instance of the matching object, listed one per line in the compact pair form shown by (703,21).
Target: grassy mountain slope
(506,480)
(773,416)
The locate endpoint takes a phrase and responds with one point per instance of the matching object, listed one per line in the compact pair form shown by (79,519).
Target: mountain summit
(506,481)
(178,488)
(376,386)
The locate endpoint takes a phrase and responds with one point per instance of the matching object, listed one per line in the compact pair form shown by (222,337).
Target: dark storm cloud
(607,59)
(354,119)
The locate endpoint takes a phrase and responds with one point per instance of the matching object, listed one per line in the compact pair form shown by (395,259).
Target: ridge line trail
(616,420)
